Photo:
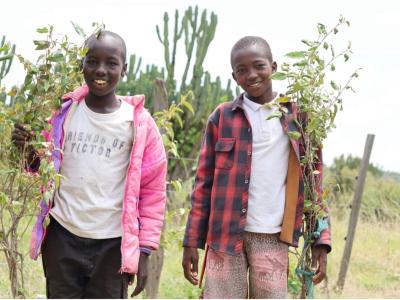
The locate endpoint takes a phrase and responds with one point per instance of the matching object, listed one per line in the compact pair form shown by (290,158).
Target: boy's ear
(233,76)
(274,67)
(124,68)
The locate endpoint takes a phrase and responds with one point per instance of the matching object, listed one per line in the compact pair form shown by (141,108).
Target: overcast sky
(374,32)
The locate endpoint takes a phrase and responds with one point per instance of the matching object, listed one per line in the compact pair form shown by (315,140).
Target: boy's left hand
(319,261)
(142,275)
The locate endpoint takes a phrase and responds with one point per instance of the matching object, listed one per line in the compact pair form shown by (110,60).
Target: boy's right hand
(190,262)
(20,136)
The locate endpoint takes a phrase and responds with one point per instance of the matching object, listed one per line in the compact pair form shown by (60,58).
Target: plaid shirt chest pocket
(224,152)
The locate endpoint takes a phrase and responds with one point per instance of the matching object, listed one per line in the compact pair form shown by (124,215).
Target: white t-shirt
(269,166)
(96,154)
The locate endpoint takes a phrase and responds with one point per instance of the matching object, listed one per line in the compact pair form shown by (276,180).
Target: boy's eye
(113,63)
(90,61)
(240,71)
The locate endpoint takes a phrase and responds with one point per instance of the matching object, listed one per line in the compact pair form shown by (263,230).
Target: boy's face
(251,71)
(103,65)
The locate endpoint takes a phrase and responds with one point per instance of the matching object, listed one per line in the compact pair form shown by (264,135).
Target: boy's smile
(251,71)
(100,83)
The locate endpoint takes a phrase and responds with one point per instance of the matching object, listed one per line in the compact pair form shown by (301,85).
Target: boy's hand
(142,275)
(319,261)
(190,262)
(20,136)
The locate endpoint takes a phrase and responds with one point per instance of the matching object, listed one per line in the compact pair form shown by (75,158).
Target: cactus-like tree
(7,52)
(197,31)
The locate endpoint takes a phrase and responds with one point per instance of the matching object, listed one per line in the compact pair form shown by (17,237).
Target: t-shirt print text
(92,144)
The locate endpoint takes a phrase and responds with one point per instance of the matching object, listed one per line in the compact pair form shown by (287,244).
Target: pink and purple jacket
(145,188)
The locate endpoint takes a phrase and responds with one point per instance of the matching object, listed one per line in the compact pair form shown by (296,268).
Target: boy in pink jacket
(107,214)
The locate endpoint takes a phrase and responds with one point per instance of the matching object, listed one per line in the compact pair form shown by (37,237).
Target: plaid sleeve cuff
(194,242)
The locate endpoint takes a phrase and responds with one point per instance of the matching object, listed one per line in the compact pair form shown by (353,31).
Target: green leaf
(42,30)
(179,119)
(333,68)
(332,51)
(335,30)
(326,45)
(56,57)
(46,221)
(169,131)
(46,86)
(40,45)
(283,99)
(346,57)
(349,45)
(294,134)
(173,151)
(334,85)
(188,106)
(275,114)
(301,63)
(321,28)
(307,203)
(278,76)
(47,196)
(308,43)
(177,185)
(296,54)
(78,29)
(3,198)
(5,47)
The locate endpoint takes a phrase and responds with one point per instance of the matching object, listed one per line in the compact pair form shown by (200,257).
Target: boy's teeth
(100,82)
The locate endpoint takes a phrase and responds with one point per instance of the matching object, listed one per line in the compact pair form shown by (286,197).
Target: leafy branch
(318,99)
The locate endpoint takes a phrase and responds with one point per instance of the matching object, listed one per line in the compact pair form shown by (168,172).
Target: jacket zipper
(126,186)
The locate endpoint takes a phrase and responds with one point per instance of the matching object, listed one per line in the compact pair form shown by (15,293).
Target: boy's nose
(100,71)
(252,74)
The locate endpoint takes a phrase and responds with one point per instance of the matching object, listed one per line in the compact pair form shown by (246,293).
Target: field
(374,270)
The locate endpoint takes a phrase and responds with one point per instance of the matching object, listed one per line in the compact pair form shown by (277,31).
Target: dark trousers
(77,267)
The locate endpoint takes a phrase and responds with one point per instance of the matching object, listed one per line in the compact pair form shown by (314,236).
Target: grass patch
(374,271)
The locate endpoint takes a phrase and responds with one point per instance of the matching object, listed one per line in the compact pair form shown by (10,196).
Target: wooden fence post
(355,209)
(156,262)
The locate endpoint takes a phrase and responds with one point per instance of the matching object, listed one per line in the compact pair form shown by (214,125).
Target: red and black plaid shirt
(220,195)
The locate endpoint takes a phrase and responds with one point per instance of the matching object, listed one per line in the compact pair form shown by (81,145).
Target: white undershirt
(269,166)
(96,154)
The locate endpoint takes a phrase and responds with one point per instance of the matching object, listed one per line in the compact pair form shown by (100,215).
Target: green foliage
(56,71)
(381,197)
(318,98)
(164,120)
(353,163)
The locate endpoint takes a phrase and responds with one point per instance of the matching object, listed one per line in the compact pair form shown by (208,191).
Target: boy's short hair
(112,34)
(247,41)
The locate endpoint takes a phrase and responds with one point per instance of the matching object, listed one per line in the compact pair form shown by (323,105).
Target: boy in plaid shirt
(247,201)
